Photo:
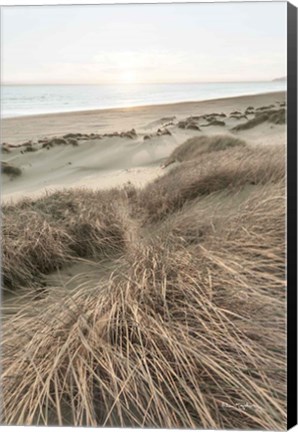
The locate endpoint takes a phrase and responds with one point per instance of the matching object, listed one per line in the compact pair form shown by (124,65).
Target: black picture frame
(292,215)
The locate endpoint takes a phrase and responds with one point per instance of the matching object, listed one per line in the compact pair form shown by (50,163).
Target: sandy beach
(100,161)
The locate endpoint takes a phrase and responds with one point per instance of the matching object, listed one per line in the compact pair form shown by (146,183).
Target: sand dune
(112,161)
(97,163)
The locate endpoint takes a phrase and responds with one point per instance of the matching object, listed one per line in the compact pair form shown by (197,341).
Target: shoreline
(20,129)
(152,105)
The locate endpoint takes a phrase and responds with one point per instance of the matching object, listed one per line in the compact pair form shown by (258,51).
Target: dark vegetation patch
(10,170)
(160,132)
(5,148)
(74,139)
(272,116)
(30,149)
(73,142)
(163,131)
(129,134)
(265,108)
(214,123)
(214,115)
(238,116)
(59,141)
(193,122)
(167,119)
(188,124)
(193,126)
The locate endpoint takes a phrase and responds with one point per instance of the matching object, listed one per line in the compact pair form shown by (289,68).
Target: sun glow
(128,77)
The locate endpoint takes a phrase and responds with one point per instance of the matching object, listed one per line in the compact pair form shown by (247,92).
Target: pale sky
(143,43)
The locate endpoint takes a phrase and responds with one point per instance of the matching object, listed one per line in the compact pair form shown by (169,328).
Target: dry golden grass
(43,235)
(189,332)
(196,146)
(232,170)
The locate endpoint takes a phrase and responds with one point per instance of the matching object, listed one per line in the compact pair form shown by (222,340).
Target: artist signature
(244,406)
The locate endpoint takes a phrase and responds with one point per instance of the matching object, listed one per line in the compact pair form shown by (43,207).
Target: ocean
(26,100)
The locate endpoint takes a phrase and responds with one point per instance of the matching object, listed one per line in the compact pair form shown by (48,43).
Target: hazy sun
(128,77)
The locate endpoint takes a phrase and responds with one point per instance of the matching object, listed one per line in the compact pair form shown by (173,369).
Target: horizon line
(137,83)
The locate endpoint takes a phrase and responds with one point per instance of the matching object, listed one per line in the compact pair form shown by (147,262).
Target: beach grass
(267,115)
(188,332)
(196,146)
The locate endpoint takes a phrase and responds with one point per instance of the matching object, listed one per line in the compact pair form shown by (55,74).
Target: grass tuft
(208,173)
(43,235)
(196,146)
